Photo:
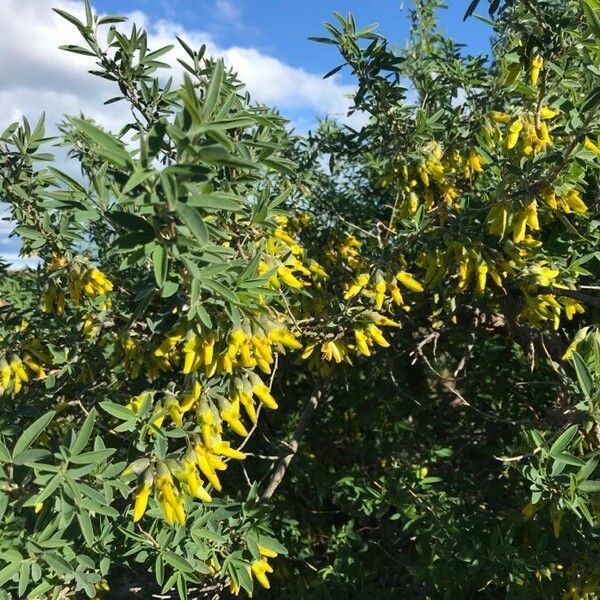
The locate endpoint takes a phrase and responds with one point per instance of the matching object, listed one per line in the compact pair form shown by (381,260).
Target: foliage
(422,309)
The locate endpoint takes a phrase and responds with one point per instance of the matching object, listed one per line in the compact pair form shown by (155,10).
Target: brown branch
(291,449)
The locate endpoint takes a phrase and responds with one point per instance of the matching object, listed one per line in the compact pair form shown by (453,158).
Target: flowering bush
(205,269)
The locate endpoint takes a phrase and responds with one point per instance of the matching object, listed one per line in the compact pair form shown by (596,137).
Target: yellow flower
(537,64)
(357,286)
(361,342)
(500,117)
(497,219)
(259,570)
(142,494)
(513,134)
(408,281)
(285,338)
(377,335)
(519,226)
(548,113)
(573,201)
(482,271)
(589,145)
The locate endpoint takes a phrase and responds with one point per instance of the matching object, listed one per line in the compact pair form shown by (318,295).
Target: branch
(288,453)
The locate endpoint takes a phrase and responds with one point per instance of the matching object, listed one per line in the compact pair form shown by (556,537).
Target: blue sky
(265,41)
(281,28)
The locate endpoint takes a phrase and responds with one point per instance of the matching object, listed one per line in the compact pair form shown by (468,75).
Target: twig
(291,449)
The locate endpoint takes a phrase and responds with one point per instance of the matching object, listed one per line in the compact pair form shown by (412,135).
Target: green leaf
(9,571)
(85,524)
(108,146)
(213,91)
(217,201)
(94,456)
(72,183)
(177,562)
(271,544)
(118,410)
(189,215)
(168,184)
(31,456)
(220,289)
(73,20)
(31,433)
(77,50)
(589,468)
(471,9)
(58,563)
(589,486)
(83,437)
(583,375)
(137,178)
(563,440)
(130,222)
(160,261)
(24,572)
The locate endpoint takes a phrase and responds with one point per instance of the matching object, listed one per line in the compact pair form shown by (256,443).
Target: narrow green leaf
(83,437)
(177,562)
(583,375)
(137,178)
(213,91)
(589,486)
(108,146)
(117,410)
(563,440)
(31,433)
(85,524)
(160,261)
(9,571)
(216,201)
(189,215)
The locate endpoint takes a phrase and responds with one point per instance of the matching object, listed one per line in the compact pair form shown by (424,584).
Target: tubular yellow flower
(537,63)
(513,134)
(589,145)
(532,215)
(482,271)
(206,463)
(497,219)
(230,413)
(519,225)
(574,202)
(5,374)
(225,449)
(408,281)
(259,568)
(141,500)
(548,113)
(377,335)
(357,286)
(286,275)
(361,342)
(380,287)
(285,338)
(261,391)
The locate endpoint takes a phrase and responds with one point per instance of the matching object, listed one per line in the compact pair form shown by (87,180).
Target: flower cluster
(82,280)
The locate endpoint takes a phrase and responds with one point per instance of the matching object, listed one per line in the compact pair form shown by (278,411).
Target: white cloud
(227,11)
(38,77)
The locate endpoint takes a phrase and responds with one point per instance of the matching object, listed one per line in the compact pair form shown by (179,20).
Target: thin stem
(291,448)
